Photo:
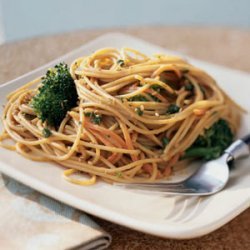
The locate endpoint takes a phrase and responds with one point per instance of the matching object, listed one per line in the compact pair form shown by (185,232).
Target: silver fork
(210,178)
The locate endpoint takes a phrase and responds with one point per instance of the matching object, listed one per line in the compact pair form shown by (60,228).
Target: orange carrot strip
(128,139)
(172,161)
(167,171)
(105,131)
(148,168)
(115,156)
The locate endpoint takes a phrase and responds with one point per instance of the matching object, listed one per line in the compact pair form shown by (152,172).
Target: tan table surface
(224,46)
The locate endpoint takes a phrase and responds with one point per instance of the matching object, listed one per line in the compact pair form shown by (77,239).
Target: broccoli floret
(56,96)
(212,143)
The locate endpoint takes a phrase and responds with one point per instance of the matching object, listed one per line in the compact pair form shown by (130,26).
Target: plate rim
(98,210)
(124,220)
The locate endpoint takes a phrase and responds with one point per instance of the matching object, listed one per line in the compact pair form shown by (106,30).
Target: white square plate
(166,216)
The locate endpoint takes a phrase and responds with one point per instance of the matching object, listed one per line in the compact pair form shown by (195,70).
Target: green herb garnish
(173,108)
(156,88)
(121,62)
(95,118)
(189,86)
(164,141)
(46,132)
(118,174)
(156,99)
(138,98)
(139,111)
(88,114)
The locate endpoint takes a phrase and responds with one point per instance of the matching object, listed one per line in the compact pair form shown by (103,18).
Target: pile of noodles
(130,95)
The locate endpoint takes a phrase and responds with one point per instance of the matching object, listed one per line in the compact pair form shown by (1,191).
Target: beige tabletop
(227,47)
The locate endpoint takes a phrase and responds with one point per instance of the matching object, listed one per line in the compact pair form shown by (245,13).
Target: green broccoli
(139,111)
(56,96)
(173,108)
(46,132)
(164,141)
(156,87)
(212,143)
(121,62)
(95,118)
(138,98)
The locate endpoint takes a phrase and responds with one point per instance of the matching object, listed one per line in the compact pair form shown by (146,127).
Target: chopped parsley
(164,141)
(46,132)
(173,108)
(95,118)
(138,98)
(156,99)
(118,174)
(139,111)
(189,86)
(121,62)
(142,98)
(156,87)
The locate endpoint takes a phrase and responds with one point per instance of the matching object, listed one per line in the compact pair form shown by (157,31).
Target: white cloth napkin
(32,221)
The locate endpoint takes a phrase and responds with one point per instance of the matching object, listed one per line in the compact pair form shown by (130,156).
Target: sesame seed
(187,101)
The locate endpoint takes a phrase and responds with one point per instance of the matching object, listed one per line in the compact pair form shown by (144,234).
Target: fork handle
(239,148)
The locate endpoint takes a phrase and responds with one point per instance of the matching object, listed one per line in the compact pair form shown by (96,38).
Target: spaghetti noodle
(135,117)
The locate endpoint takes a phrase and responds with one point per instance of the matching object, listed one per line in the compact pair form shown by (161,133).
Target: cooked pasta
(134,119)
